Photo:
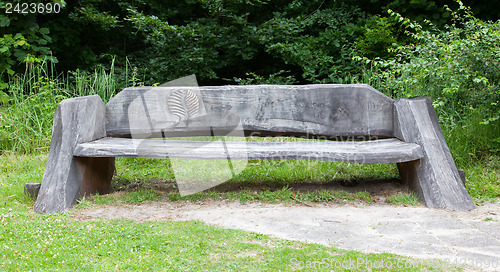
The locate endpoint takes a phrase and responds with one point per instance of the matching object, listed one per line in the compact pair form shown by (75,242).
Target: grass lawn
(31,242)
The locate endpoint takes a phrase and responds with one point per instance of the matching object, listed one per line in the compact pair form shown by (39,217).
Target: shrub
(457,67)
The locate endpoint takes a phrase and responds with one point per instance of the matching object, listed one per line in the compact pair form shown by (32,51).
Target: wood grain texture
(325,110)
(96,174)
(434,177)
(84,139)
(76,120)
(379,151)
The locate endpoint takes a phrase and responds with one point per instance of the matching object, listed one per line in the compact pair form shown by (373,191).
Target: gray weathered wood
(81,158)
(461,173)
(76,120)
(379,151)
(31,189)
(328,110)
(434,177)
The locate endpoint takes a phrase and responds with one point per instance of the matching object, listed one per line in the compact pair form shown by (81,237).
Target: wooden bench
(87,134)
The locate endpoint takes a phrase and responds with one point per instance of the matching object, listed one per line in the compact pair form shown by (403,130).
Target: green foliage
(263,42)
(21,39)
(457,67)
(420,10)
(216,40)
(100,81)
(483,180)
(317,44)
(4,98)
(276,78)
(26,118)
(417,10)
(27,109)
(380,34)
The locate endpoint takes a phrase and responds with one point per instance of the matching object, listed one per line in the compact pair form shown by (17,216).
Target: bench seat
(377,151)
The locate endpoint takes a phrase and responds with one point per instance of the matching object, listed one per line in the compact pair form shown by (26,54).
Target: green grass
(60,242)
(270,181)
(141,196)
(41,243)
(267,181)
(483,180)
(288,181)
(406,199)
(26,120)
(283,195)
(140,180)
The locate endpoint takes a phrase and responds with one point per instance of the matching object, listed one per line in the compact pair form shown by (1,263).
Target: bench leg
(408,175)
(435,177)
(76,120)
(96,175)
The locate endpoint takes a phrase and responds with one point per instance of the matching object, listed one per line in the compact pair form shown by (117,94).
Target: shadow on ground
(378,188)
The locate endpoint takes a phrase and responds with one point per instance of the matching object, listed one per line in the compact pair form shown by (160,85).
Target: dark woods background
(447,50)
(300,41)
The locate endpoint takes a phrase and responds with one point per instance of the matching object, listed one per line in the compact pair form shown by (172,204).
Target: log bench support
(435,177)
(68,178)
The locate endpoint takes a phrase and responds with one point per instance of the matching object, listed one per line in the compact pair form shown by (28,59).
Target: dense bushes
(219,40)
(21,39)
(314,40)
(459,68)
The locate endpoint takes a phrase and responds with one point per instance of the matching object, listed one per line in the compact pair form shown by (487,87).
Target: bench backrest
(354,110)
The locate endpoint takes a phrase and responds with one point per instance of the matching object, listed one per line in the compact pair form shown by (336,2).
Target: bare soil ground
(380,189)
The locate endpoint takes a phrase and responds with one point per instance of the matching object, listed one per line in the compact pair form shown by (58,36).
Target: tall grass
(95,82)
(26,120)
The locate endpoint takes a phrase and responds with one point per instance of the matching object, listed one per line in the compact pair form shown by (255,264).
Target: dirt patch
(380,189)
(176,210)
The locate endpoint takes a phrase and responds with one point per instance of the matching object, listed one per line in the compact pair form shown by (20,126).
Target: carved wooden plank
(435,177)
(379,151)
(76,120)
(327,110)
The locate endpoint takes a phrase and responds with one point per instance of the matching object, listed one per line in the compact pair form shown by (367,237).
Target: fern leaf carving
(192,103)
(175,106)
(183,104)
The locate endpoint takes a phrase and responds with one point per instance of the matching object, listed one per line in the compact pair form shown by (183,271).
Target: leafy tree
(313,40)
(214,39)
(21,38)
